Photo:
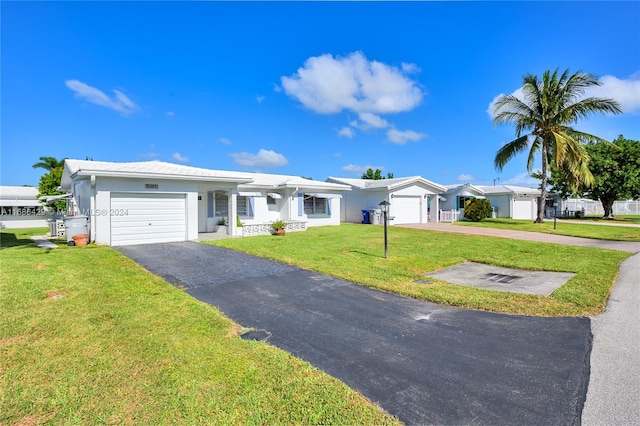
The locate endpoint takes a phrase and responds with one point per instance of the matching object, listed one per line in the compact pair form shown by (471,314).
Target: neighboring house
(508,201)
(584,206)
(148,202)
(412,199)
(22,209)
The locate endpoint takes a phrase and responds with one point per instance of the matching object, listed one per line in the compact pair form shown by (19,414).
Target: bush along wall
(477,209)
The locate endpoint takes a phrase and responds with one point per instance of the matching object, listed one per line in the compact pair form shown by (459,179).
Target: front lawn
(578,229)
(355,253)
(89,337)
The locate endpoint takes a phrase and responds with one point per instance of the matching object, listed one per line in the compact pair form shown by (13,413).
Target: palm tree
(543,117)
(49,163)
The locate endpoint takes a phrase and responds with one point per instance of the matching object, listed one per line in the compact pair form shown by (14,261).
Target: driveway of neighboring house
(628,246)
(422,362)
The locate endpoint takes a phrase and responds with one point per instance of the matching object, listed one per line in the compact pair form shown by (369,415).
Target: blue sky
(312,89)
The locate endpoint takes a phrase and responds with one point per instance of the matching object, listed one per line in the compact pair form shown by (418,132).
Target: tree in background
(377,175)
(49,182)
(549,106)
(49,163)
(616,169)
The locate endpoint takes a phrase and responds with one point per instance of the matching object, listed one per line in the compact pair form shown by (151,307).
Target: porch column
(232,196)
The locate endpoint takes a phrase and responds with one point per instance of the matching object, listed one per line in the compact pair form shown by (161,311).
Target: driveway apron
(422,362)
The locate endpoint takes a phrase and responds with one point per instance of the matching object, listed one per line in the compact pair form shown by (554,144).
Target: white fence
(449,215)
(592,208)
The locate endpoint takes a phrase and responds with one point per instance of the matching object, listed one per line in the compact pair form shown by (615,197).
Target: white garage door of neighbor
(148,218)
(405,210)
(523,209)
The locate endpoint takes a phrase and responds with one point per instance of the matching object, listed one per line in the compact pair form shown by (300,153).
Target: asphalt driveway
(423,362)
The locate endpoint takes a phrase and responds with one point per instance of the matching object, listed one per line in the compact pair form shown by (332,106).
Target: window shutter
(210,204)
(329,206)
(300,203)
(250,209)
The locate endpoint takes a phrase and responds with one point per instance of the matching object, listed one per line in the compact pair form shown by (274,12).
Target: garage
(147,218)
(406,209)
(523,209)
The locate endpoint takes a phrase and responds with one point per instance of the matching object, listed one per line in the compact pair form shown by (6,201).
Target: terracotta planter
(280,232)
(81,239)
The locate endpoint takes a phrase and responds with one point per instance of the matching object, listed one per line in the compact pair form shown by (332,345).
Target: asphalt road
(422,362)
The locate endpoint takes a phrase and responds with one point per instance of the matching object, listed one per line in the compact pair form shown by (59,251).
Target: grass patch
(582,229)
(355,253)
(89,337)
(622,219)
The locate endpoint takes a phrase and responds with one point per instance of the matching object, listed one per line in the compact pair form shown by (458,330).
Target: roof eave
(82,172)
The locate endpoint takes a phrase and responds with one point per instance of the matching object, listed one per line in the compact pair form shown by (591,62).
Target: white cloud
(328,85)
(464,178)
(625,91)
(176,156)
(170,113)
(224,141)
(372,121)
(523,179)
(352,168)
(120,102)
(401,137)
(262,160)
(259,98)
(337,154)
(347,132)
(410,68)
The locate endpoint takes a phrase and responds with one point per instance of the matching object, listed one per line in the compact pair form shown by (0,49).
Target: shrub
(477,209)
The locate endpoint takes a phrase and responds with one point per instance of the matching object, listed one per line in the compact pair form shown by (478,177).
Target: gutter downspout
(92,215)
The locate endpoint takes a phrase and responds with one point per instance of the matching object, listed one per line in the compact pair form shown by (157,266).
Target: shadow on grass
(9,240)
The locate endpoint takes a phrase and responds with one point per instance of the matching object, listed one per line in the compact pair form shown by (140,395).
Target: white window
(243,206)
(315,205)
(462,200)
(271,201)
(221,204)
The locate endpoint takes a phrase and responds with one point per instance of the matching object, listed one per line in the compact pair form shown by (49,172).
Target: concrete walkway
(613,395)
(628,246)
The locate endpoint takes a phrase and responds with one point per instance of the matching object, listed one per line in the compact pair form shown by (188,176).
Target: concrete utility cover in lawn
(422,362)
(489,277)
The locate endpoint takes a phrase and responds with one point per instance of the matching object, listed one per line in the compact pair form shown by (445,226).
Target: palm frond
(510,150)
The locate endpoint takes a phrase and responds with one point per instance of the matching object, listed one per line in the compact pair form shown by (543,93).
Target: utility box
(75,225)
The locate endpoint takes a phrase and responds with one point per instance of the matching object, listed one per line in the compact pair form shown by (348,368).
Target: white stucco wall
(501,202)
(104,186)
(21,221)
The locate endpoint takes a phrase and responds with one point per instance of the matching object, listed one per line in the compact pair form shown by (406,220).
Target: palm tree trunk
(543,189)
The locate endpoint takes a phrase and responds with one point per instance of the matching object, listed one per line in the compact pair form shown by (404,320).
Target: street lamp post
(384,206)
(555,213)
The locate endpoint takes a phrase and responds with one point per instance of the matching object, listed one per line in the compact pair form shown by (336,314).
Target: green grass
(622,219)
(578,229)
(89,337)
(355,253)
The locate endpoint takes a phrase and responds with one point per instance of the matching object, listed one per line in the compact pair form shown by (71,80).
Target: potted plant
(278,227)
(221,226)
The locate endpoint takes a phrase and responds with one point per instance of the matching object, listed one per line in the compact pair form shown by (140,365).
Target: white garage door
(523,209)
(147,218)
(405,210)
